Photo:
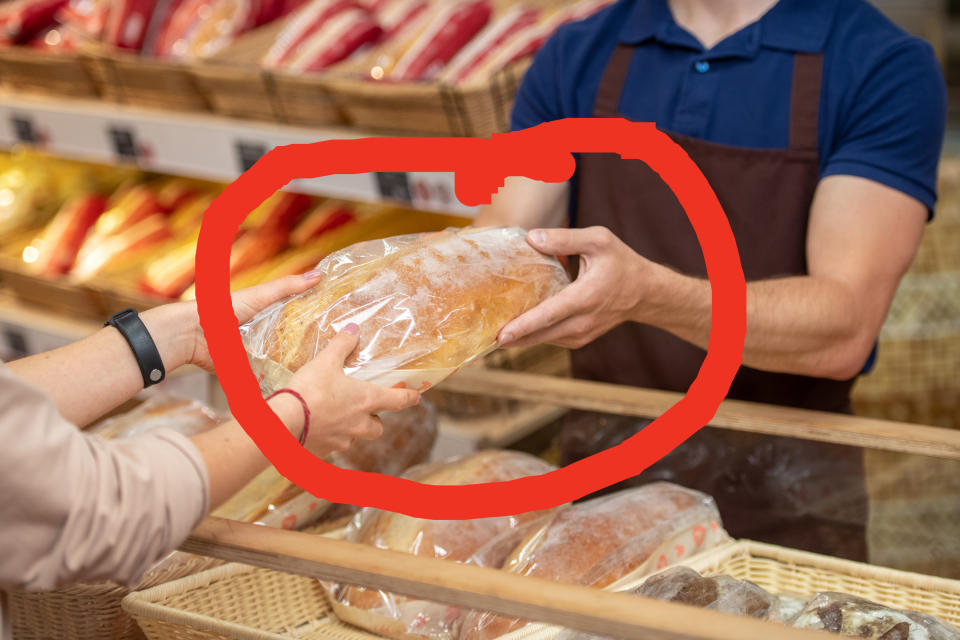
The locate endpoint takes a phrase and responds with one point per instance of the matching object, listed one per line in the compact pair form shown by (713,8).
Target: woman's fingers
(252,300)
(342,345)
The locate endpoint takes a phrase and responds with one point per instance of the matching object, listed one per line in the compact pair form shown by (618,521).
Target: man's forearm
(804,325)
(92,376)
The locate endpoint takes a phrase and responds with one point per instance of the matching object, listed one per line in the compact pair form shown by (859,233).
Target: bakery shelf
(200,145)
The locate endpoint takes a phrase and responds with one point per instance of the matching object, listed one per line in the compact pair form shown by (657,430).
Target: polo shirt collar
(791,25)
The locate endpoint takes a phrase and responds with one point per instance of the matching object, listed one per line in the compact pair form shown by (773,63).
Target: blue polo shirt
(882,105)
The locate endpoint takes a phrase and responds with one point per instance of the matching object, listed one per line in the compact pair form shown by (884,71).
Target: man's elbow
(845,360)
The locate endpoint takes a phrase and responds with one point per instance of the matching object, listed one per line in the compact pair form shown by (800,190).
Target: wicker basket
(89,611)
(146,82)
(305,99)
(58,295)
(32,71)
(801,574)
(429,108)
(239,601)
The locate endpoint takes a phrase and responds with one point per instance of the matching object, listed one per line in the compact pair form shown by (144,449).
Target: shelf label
(124,143)
(395,186)
(16,344)
(248,153)
(26,131)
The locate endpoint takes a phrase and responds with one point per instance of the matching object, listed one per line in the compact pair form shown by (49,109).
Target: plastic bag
(483,541)
(785,491)
(188,417)
(686,586)
(852,616)
(607,541)
(426,305)
(272,500)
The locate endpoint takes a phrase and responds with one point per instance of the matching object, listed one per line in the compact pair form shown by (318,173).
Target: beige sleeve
(77,508)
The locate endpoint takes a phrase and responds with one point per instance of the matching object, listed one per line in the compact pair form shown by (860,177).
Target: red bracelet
(306,411)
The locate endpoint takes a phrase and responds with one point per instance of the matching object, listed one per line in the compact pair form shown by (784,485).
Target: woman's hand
(246,304)
(341,409)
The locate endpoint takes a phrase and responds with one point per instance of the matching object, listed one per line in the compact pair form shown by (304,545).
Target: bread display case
(277,584)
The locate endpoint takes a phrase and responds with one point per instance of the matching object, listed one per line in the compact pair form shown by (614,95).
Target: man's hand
(611,284)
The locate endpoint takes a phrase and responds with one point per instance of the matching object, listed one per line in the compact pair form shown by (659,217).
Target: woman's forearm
(92,376)
(232,458)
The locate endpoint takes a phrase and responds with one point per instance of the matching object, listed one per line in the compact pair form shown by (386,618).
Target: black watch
(131,327)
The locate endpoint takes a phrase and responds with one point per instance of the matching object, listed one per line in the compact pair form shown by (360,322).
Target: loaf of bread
(426,304)
(685,586)
(482,541)
(160,411)
(602,541)
(851,616)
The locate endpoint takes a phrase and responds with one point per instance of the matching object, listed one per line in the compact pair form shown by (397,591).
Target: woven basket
(145,82)
(430,108)
(89,611)
(239,601)
(802,574)
(58,295)
(61,75)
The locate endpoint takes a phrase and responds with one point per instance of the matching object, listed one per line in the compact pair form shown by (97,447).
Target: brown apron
(808,495)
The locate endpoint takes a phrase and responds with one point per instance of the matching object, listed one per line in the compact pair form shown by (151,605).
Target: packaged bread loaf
(606,541)
(483,541)
(161,410)
(851,616)
(685,586)
(272,500)
(426,304)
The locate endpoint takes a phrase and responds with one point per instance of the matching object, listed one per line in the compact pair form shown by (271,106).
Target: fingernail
(352,328)
(313,273)
(538,237)
(506,338)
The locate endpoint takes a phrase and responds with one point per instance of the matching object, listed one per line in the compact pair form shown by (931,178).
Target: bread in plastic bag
(272,500)
(483,541)
(426,304)
(852,616)
(606,541)
(188,417)
(685,586)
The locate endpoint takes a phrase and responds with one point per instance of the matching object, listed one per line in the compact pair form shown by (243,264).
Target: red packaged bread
(86,18)
(482,541)
(323,218)
(396,15)
(335,40)
(490,40)
(103,253)
(279,212)
(304,24)
(58,244)
(605,541)
(222,21)
(24,19)
(127,22)
(450,27)
(527,40)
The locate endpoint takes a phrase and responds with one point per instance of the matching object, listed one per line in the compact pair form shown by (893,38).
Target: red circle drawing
(543,153)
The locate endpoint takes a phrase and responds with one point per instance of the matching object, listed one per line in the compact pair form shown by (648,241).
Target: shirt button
(702,66)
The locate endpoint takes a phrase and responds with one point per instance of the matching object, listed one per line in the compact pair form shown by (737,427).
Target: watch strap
(131,327)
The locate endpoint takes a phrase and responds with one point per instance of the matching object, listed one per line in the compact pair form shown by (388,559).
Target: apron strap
(805,101)
(614,78)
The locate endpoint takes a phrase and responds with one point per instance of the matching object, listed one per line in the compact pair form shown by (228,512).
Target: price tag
(248,153)
(124,143)
(23,128)
(394,186)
